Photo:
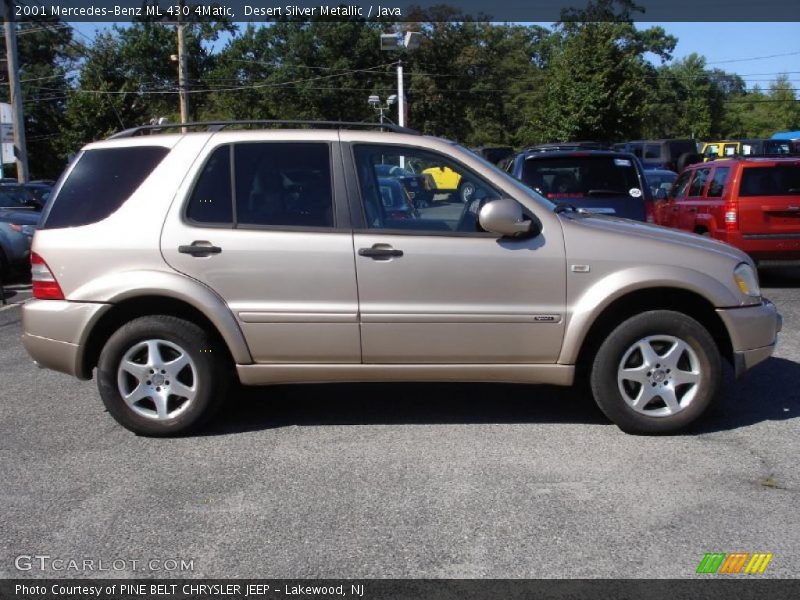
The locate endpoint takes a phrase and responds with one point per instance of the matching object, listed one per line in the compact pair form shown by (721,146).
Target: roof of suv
(744,161)
(574,153)
(214,126)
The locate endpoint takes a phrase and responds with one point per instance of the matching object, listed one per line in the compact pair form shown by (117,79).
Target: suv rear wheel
(160,375)
(656,373)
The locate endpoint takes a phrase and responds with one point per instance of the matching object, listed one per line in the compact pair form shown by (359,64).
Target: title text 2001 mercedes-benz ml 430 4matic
(170,264)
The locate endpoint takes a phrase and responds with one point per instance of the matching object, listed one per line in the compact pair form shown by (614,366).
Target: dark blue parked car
(599,181)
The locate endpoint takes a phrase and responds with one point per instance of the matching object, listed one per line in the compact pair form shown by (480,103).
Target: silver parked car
(170,264)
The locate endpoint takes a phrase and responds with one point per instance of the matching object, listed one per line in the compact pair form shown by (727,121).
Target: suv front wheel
(161,376)
(656,373)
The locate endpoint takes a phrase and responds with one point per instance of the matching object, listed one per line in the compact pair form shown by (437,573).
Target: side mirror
(505,217)
(661,194)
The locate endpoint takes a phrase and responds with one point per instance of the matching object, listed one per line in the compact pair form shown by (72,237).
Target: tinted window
(679,191)
(717,186)
(652,151)
(283,184)
(564,177)
(411,189)
(782,180)
(211,201)
(14,197)
(678,148)
(698,183)
(660,180)
(100,182)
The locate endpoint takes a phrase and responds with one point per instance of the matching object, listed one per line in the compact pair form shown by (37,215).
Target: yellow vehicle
(721,149)
(444,177)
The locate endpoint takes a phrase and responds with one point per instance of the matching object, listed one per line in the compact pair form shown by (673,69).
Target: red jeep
(751,203)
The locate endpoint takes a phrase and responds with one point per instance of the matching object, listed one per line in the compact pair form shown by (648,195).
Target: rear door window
(780,180)
(100,182)
(283,184)
(717,186)
(211,200)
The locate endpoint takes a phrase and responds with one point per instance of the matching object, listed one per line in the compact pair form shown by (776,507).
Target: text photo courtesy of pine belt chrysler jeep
(168,264)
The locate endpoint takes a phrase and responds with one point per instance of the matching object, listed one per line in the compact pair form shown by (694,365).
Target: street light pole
(15,92)
(401,96)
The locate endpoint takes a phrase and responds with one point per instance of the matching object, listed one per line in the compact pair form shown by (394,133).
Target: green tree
(46,60)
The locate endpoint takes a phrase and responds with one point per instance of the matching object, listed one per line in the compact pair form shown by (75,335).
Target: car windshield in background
(14,197)
(565,177)
(781,180)
(660,180)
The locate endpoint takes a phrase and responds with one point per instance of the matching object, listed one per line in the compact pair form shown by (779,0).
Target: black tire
(608,391)
(466,189)
(5,267)
(686,159)
(211,376)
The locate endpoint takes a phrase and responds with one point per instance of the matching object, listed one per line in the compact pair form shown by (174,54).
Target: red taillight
(731,216)
(45,286)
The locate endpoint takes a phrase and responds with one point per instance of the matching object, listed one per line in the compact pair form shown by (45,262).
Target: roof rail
(220,125)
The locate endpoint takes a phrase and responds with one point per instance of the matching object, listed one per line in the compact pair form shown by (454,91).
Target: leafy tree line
(594,75)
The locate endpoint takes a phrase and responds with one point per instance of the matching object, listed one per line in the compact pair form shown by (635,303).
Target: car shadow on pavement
(402,404)
(768,393)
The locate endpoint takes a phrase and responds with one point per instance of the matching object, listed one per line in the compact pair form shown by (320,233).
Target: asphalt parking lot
(403,480)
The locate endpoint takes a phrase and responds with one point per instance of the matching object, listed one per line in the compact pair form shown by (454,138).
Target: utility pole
(15,92)
(182,70)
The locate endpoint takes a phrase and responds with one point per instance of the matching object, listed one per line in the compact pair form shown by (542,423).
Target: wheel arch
(164,294)
(675,299)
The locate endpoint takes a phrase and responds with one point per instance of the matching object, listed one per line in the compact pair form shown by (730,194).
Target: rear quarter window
(780,180)
(99,183)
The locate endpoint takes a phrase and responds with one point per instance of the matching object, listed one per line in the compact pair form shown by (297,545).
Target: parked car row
(20,210)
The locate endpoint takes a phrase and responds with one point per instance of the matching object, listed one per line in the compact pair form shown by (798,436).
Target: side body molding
(117,287)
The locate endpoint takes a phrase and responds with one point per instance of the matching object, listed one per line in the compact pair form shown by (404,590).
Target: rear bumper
(55,331)
(753,331)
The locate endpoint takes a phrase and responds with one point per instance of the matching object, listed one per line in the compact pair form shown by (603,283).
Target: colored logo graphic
(736,562)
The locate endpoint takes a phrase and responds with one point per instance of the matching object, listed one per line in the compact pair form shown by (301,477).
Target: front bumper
(55,331)
(753,331)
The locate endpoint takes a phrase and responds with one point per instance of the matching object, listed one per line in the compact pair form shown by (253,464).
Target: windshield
(565,177)
(533,194)
(14,197)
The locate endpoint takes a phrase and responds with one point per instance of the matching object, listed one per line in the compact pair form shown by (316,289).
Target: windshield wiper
(564,207)
(606,193)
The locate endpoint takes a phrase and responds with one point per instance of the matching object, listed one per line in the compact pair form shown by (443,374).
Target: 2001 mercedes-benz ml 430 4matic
(174,263)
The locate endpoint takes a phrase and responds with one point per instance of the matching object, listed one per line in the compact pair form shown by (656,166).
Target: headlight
(747,280)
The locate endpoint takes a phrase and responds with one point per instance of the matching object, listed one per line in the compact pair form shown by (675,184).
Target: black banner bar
(703,588)
(400,10)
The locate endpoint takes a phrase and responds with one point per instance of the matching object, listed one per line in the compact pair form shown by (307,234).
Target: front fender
(117,287)
(596,298)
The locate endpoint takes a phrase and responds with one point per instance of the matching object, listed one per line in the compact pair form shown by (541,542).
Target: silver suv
(175,264)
